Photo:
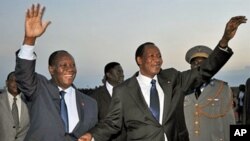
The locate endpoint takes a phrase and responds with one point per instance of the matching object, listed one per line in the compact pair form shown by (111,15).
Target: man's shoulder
(100,89)
(218,81)
(3,93)
(86,97)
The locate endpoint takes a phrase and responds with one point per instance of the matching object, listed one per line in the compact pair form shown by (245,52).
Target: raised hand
(231,29)
(34,26)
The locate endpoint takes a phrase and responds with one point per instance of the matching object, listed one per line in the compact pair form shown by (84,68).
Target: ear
(139,60)
(51,70)
(108,74)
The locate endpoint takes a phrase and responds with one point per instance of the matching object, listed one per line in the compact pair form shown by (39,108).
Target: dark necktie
(15,113)
(197,92)
(154,100)
(64,112)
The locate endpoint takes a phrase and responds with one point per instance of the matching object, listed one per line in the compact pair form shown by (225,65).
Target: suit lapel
(54,93)
(6,105)
(106,95)
(80,108)
(166,86)
(136,93)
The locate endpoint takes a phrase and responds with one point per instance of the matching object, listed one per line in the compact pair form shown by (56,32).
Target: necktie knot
(62,93)
(153,81)
(14,99)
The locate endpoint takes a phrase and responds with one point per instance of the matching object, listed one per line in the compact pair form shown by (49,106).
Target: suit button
(15,137)
(14,126)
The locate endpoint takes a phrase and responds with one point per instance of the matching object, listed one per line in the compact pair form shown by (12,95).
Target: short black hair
(140,50)
(53,56)
(242,87)
(10,74)
(110,66)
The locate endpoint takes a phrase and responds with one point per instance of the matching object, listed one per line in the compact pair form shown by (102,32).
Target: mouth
(70,76)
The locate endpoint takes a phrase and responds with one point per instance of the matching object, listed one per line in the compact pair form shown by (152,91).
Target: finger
(27,14)
(32,10)
(241,20)
(41,12)
(36,10)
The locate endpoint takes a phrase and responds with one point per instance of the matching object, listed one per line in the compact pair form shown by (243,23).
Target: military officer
(208,109)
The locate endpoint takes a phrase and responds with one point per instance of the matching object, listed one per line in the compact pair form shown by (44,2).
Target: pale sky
(96,32)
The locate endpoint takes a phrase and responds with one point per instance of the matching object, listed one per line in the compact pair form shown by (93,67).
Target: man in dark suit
(135,103)
(113,75)
(14,117)
(58,111)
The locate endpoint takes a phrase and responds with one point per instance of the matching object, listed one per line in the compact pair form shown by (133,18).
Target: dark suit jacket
(103,98)
(246,107)
(129,108)
(44,105)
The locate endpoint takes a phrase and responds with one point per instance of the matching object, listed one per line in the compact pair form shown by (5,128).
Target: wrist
(29,41)
(223,43)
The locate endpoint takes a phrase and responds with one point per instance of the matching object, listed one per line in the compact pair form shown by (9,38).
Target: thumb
(46,24)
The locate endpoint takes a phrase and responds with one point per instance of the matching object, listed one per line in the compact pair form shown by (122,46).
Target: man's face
(63,72)
(12,85)
(150,62)
(196,62)
(115,75)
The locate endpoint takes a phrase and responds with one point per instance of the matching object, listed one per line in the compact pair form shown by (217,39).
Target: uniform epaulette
(218,80)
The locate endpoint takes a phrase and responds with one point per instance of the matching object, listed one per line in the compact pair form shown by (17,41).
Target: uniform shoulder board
(218,80)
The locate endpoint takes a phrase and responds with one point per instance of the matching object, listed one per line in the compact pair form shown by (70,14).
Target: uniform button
(196,122)
(15,137)
(14,126)
(196,104)
(196,113)
(196,132)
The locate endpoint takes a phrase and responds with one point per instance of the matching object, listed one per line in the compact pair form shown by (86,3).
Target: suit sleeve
(191,79)
(25,75)
(112,123)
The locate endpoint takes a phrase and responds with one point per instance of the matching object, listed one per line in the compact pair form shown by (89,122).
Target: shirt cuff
(27,52)
(224,48)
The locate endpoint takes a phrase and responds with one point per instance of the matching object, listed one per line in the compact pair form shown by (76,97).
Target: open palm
(34,26)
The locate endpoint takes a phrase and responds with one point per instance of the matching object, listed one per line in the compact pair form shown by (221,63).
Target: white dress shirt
(109,88)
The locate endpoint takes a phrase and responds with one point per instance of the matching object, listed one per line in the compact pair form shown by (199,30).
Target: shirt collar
(146,80)
(109,87)
(68,90)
